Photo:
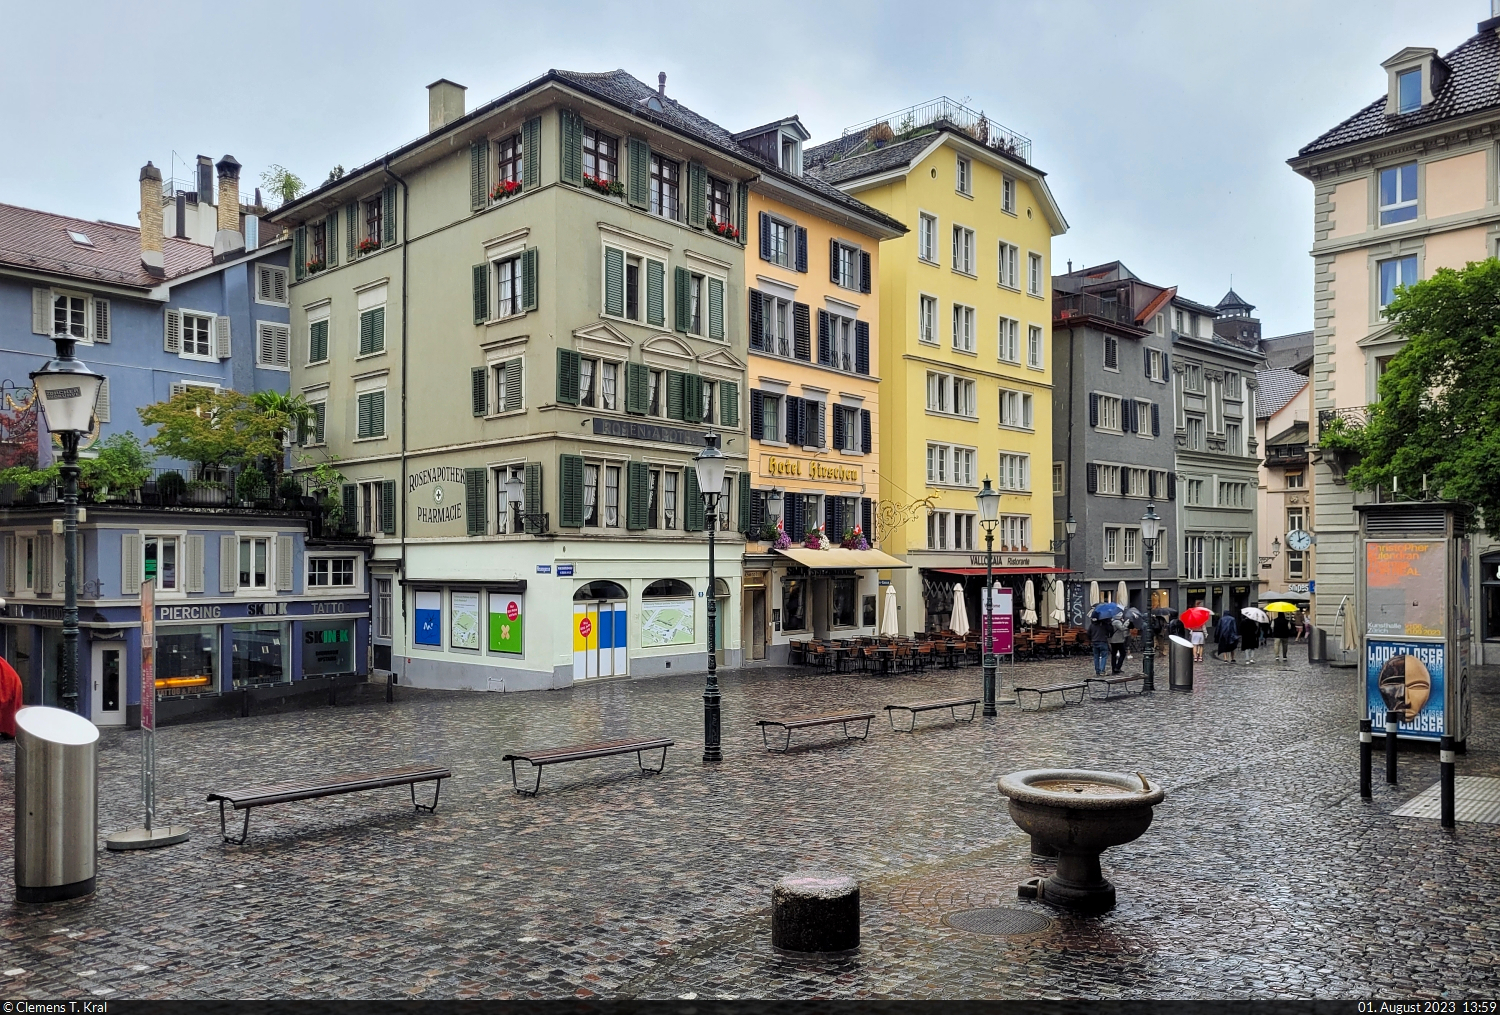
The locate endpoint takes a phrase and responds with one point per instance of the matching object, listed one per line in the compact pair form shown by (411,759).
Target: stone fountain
(1080,813)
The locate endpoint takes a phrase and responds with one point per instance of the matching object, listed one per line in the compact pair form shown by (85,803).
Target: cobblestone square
(1264,874)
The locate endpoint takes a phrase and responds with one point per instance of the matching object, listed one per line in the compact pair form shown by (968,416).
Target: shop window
(186,659)
(668,588)
(845,599)
(258,654)
(328,647)
(794,604)
(597,590)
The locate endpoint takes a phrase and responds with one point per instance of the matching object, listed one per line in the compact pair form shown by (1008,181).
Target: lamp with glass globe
(709,465)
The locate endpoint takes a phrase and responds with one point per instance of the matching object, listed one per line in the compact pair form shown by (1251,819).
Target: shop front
(799,593)
(1049,592)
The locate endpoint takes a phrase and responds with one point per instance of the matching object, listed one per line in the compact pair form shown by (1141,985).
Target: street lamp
(773,506)
(1150,529)
(67,390)
(709,464)
(989,517)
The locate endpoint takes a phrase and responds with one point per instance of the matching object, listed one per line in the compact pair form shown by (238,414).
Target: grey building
(1112,443)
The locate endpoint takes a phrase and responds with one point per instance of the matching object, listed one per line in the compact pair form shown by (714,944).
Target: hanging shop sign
(783,467)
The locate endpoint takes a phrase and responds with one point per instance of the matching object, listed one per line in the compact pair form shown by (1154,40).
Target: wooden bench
(260,796)
(1110,683)
(580,752)
(806,721)
(952,704)
(1064,691)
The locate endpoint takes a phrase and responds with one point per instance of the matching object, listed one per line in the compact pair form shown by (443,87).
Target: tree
(1438,417)
(294,407)
(281,183)
(336,173)
(214,428)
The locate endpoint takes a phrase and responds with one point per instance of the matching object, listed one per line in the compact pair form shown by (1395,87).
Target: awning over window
(998,570)
(822,560)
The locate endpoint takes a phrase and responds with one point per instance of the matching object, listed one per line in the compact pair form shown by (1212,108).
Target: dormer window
(791,155)
(1414,77)
(1409,90)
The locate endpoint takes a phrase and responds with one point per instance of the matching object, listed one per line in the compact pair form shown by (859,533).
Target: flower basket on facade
(724,229)
(504,189)
(313,267)
(855,539)
(609,188)
(368,244)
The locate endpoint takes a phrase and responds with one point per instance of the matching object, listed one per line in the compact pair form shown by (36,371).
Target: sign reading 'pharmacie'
(446,506)
(781,467)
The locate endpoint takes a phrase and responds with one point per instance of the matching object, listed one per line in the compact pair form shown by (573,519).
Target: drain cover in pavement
(998,921)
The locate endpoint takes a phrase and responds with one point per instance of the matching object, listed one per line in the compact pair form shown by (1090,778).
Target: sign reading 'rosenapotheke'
(439,512)
(630,430)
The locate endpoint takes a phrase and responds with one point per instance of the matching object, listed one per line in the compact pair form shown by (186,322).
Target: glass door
(107,679)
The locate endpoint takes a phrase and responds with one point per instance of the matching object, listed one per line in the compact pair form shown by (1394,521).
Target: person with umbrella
(1100,630)
(1250,621)
(1119,636)
(1195,618)
(1282,628)
(1229,637)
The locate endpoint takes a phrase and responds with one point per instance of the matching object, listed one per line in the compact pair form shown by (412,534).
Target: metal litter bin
(1317,645)
(1180,663)
(57,804)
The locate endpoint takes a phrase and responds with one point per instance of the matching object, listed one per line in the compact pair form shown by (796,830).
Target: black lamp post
(709,464)
(989,517)
(67,390)
(1150,529)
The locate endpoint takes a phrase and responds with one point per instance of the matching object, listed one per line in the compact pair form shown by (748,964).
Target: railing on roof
(981,128)
(1070,305)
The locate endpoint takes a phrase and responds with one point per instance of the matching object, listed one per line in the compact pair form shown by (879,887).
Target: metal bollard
(1392,720)
(1366,749)
(1445,778)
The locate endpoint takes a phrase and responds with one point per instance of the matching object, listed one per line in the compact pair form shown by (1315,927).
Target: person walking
(1197,638)
(1119,637)
(10,700)
(1249,638)
(1099,632)
(1229,638)
(1282,630)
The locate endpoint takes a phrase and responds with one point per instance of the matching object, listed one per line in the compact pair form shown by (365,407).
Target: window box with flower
(313,267)
(609,188)
(368,245)
(854,539)
(504,189)
(725,229)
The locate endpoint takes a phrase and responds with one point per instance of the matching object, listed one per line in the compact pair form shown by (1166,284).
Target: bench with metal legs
(804,722)
(578,752)
(952,704)
(259,796)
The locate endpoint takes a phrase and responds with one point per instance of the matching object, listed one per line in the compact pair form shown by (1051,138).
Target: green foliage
(326,478)
(120,467)
(27,479)
(290,488)
(170,485)
(281,183)
(1341,434)
(252,485)
(1439,409)
(214,428)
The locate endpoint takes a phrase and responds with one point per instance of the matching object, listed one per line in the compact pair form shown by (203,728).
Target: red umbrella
(1195,617)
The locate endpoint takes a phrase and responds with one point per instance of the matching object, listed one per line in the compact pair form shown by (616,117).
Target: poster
(1408,675)
(465,632)
(429,606)
(327,647)
(1002,621)
(1404,583)
(507,623)
(1078,603)
(667,622)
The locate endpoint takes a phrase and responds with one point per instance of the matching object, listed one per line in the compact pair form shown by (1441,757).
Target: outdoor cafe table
(885,654)
(838,653)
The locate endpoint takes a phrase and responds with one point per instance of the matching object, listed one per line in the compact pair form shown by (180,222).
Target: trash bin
(1180,663)
(57,804)
(1317,645)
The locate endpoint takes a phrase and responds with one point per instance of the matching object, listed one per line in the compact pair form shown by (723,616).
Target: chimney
(445,103)
(151,257)
(181,215)
(661,84)
(205,192)
(228,239)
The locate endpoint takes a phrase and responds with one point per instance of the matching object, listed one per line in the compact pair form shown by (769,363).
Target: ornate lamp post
(989,517)
(709,464)
(67,390)
(1150,529)
(773,506)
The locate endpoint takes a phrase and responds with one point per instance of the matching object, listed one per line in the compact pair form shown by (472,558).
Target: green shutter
(388,214)
(567,377)
(741,210)
(572,147)
(372,331)
(637,388)
(474,501)
(745,510)
(320,415)
(350,506)
(362,426)
(638,172)
(478,391)
(637,495)
(729,403)
(656,296)
(570,491)
(351,229)
(531,146)
(479,174)
(512,384)
(378,328)
(682,280)
(715,308)
(531,502)
(331,237)
(299,251)
(388,507)
(675,384)
(614,281)
(317,341)
(692,501)
(692,398)
(481,293)
(697,202)
(528,279)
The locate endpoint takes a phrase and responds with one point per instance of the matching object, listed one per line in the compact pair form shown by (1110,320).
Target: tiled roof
(1287,350)
(1297,433)
(827,160)
(1233,299)
(1473,85)
(1275,388)
(39,241)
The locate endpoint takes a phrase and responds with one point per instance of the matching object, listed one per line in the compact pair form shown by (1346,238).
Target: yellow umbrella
(1281,608)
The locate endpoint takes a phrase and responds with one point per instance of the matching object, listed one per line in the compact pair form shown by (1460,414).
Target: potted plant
(170,486)
(504,189)
(724,229)
(1339,445)
(290,491)
(368,245)
(609,188)
(313,267)
(207,493)
(118,470)
(251,486)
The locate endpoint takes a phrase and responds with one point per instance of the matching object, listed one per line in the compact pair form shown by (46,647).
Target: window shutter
(331,237)
(130,564)
(320,421)
(802,332)
(801,249)
(175,388)
(817,427)
(865,443)
(172,340)
(825,341)
(221,336)
(570,491)
(729,403)
(567,377)
(637,495)
(1171,486)
(532,498)
(692,502)
(864,271)
(614,281)
(1166,366)
(101,320)
(757,415)
(1093,477)
(282,342)
(101,402)
(838,427)
(1151,484)
(481,293)
(638,173)
(388,507)
(794,517)
(675,395)
(531,149)
(692,398)
(797,413)
(351,229)
(697,204)
(1146,355)
(528,278)
(682,279)
(757,321)
(229,575)
(317,341)
(299,251)
(479,174)
(41,311)
(377,329)
(478,391)
(656,297)
(833,260)
(1155,420)
(1093,409)
(742,210)
(746,510)
(571,132)
(350,502)
(862,347)
(765,236)
(514,377)
(715,308)
(637,379)
(44,564)
(286,549)
(388,213)
(867,519)
(475,491)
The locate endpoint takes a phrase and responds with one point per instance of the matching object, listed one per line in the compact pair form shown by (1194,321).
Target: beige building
(1284,492)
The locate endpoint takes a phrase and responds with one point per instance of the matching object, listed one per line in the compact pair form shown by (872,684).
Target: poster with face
(1408,676)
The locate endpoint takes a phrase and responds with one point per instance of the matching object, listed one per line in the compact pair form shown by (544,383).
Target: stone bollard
(815,912)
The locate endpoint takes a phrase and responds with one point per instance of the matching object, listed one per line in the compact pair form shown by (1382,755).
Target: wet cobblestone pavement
(1264,874)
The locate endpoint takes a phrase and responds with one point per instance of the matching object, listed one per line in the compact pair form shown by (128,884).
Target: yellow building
(965,313)
(813,274)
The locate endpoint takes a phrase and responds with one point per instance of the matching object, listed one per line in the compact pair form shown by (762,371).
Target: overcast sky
(1164,127)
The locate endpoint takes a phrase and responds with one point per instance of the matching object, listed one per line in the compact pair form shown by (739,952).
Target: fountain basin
(1080,813)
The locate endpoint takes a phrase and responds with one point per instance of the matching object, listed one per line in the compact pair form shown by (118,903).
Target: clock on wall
(1300,540)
